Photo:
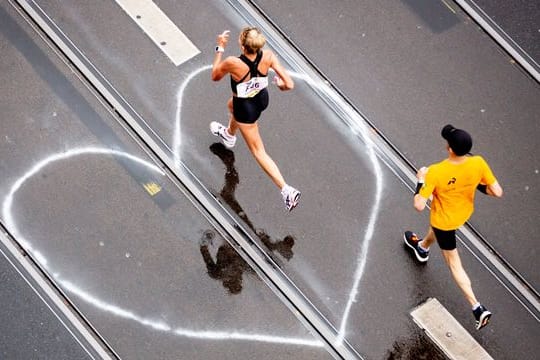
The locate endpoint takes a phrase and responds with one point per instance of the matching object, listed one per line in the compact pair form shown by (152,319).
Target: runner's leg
(428,240)
(251,135)
(233,125)
(460,276)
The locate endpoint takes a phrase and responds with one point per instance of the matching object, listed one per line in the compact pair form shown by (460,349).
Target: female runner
(249,82)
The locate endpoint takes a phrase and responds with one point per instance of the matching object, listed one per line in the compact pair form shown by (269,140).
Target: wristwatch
(219,49)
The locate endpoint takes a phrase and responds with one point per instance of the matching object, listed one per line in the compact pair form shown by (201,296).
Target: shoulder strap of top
(253,65)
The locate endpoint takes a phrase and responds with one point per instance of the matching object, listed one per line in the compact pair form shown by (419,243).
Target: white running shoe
(291,196)
(221,131)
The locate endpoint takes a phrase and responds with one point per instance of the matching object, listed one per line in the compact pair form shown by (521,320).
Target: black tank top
(253,69)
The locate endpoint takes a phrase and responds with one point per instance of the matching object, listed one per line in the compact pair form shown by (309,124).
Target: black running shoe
(412,240)
(482,316)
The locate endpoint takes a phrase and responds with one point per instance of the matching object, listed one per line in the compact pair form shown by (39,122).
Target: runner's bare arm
(283,80)
(221,68)
(419,202)
(495,189)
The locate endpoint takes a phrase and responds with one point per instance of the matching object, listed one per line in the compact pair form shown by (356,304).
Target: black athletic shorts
(248,110)
(445,238)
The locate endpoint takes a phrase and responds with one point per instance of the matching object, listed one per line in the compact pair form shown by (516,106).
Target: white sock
(476,306)
(228,134)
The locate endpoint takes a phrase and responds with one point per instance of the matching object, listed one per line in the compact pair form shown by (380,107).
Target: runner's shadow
(228,265)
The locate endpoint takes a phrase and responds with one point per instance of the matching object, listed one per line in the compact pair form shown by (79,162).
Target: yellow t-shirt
(453,187)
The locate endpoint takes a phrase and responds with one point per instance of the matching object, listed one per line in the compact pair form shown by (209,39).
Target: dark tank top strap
(253,65)
(253,69)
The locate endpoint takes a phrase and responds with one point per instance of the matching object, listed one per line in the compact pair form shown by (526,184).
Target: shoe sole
(227,145)
(295,201)
(423,260)
(484,320)
(216,133)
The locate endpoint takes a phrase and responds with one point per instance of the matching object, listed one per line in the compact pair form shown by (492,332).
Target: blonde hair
(252,39)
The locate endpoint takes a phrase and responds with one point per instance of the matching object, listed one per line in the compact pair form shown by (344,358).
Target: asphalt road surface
(162,244)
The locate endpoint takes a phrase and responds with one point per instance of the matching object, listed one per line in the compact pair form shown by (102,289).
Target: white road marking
(163,32)
(447,332)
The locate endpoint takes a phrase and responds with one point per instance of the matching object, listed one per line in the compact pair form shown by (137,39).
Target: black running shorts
(248,110)
(445,238)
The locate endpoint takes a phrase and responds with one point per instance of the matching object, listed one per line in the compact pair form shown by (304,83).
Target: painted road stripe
(163,32)
(447,332)
(152,188)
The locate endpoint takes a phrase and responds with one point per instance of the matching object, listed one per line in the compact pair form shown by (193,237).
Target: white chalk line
(216,335)
(358,130)
(177,137)
(100,304)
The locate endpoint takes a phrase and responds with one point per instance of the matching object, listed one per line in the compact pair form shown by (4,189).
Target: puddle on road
(228,266)
(283,246)
(419,347)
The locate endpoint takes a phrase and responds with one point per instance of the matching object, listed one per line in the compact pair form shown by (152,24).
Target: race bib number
(252,87)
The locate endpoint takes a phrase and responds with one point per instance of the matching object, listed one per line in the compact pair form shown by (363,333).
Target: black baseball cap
(459,140)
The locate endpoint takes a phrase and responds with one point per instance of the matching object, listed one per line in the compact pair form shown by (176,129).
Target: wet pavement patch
(418,347)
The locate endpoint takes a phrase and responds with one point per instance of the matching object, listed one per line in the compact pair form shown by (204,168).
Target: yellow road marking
(152,188)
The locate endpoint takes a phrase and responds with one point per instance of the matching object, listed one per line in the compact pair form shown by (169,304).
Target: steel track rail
(501,37)
(54,298)
(241,238)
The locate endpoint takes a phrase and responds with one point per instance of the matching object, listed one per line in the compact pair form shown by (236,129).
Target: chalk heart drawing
(355,123)
(355,126)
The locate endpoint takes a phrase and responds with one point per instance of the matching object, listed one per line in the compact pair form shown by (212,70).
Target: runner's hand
(421,174)
(223,38)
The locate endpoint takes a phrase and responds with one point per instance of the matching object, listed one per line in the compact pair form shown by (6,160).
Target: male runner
(451,184)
